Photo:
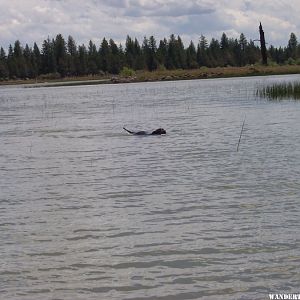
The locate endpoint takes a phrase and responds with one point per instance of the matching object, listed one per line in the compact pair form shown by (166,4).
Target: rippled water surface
(88,211)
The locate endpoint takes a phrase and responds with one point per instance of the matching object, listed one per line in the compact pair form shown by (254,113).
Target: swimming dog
(158,131)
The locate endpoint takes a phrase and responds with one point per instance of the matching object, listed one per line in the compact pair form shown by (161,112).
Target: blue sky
(34,20)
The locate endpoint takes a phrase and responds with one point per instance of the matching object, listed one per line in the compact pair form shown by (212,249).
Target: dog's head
(159,131)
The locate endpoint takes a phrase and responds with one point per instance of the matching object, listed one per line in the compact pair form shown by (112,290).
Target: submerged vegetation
(279,91)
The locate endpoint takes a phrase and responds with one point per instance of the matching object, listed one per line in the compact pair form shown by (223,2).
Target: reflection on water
(90,212)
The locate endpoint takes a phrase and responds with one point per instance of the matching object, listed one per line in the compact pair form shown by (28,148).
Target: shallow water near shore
(88,211)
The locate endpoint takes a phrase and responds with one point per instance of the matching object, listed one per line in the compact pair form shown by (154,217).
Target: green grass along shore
(162,75)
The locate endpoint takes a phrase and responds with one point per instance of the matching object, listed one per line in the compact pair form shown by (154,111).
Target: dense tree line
(61,57)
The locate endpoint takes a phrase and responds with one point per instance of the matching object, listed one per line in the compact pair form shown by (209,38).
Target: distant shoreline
(162,75)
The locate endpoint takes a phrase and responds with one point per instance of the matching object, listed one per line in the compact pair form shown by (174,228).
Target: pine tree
(18,51)
(224,44)
(252,53)
(71,46)
(92,59)
(152,63)
(176,54)
(232,53)
(203,43)
(3,65)
(130,52)
(202,49)
(181,58)
(115,59)
(105,56)
(292,46)
(11,64)
(36,60)
(19,60)
(60,52)
(280,55)
(162,52)
(224,60)
(139,58)
(191,56)
(243,45)
(215,54)
(122,56)
(236,53)
(149,51)
(28,68)
(171,61)
(2,54)
(72,57)
(82,67)
(48,57)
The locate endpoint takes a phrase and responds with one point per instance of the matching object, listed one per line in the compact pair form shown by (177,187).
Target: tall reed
(279,91)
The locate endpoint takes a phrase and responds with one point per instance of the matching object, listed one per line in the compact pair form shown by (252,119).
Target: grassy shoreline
(162,75)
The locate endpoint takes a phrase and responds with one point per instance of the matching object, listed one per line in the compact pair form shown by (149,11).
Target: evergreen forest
(60,57)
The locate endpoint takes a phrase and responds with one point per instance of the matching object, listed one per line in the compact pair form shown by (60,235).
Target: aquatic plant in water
(279,91)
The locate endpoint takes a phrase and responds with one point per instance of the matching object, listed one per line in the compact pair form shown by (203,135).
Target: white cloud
(35,20)
(169,8)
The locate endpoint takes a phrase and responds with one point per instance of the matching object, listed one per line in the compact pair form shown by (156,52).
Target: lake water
(88,211)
